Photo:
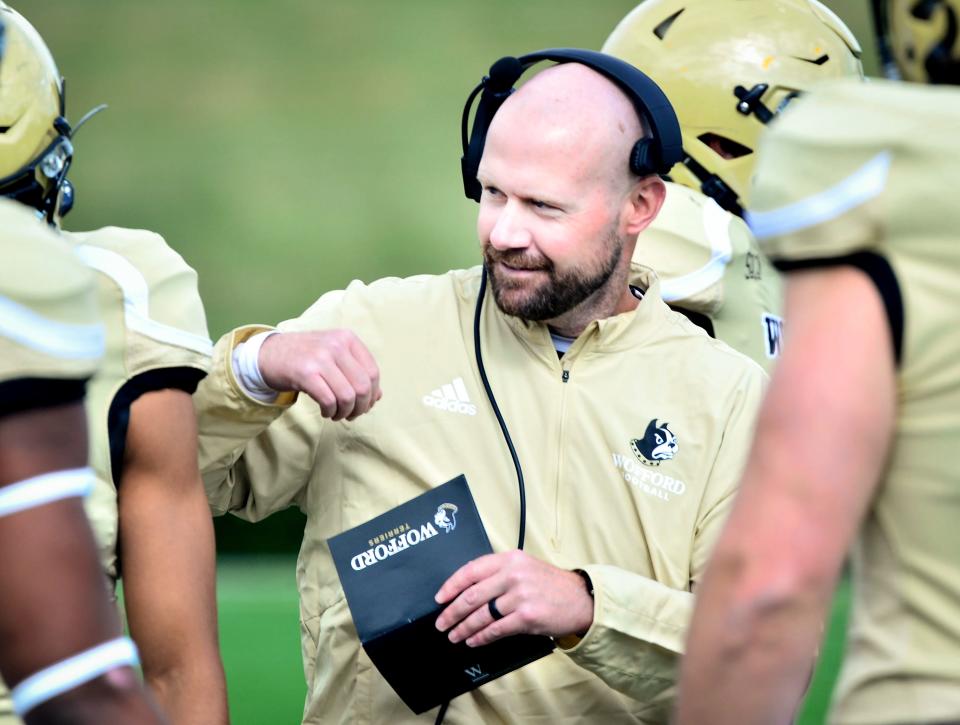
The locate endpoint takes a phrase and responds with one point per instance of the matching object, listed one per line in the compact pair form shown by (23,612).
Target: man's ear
(643,203)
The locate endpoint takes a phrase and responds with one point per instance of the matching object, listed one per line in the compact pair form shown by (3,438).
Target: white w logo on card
(475,673)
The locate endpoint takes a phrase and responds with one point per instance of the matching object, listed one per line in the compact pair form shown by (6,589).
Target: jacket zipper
(564,378)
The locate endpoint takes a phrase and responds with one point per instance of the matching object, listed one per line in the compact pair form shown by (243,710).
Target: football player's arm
(168,559)
(55,603)
(821,444)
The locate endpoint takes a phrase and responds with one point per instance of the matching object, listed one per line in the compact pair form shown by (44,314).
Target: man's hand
(534,598)
(331,366)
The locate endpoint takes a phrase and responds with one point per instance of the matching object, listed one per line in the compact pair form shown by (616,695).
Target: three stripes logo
(451,397)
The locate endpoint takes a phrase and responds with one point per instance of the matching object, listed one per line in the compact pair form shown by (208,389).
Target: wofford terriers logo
(404,536)
(658,444)
(446,517)
(650,481)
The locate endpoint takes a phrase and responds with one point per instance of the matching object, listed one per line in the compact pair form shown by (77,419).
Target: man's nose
(510,230)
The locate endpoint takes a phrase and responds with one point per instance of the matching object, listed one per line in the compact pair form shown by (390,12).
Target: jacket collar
(621,332)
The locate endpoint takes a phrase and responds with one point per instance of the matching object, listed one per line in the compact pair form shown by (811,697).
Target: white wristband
(246,368)
(44,489)
(72,672)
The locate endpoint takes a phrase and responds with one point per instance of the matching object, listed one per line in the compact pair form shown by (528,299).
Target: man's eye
(543,205)
(492,190)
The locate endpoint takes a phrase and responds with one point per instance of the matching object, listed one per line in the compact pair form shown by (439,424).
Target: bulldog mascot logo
(658,444)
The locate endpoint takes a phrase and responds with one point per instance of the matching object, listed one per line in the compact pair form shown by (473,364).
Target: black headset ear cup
(471,187)
(494,89)
(643,158)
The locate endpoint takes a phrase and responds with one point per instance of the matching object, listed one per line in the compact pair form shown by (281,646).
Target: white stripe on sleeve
(45,489)
(58,339)
(136,299)
(72,672)
(864,184)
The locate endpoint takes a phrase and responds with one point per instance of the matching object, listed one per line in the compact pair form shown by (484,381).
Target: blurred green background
(285,148)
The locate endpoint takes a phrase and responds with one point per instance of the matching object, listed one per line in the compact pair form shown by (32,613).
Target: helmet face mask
(920,39)
(728,67)
(41,182)
(35,147)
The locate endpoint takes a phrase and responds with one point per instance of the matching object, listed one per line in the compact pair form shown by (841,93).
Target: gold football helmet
(728,67)
(919,39)
(35,147)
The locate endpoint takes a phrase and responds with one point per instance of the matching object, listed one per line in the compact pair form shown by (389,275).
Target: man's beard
(555,295)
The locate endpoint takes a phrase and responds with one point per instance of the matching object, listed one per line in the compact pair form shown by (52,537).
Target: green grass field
(260,639)
(260,642)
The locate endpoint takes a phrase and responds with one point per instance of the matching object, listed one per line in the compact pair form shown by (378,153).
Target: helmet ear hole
(725,148)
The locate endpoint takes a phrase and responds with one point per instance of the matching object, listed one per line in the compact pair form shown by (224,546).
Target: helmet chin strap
(713,186)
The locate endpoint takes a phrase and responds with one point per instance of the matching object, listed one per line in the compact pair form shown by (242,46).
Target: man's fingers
(510,625)
(318,389)
(346,396)
(480,618)
(334,367)
(360,383)
(472,599)
(363,356)
(467,575)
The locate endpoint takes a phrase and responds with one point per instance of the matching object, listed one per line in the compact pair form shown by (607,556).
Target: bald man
(631,425)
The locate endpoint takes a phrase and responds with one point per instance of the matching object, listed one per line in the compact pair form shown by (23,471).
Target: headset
(653,154)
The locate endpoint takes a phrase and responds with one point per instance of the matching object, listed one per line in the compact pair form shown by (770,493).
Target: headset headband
(654,155)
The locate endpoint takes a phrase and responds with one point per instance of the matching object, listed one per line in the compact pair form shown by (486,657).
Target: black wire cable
(503,429)
(443,711)
(496,409)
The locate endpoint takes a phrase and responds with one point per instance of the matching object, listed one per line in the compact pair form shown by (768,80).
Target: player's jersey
(51,337)
(867,175)
(51,334)
(156,337)
(710,265)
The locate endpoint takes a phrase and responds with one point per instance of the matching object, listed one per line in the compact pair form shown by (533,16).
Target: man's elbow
(191,690)
(767,596)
